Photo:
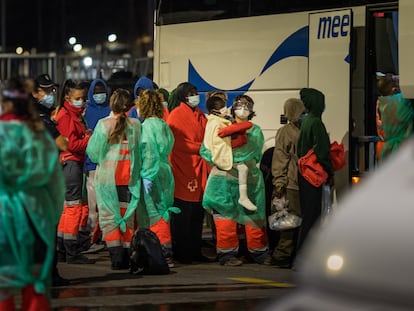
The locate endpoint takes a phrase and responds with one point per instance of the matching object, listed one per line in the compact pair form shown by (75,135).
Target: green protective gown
(397,121)
(222,189)
(157,141)
(32,191)
(106,156)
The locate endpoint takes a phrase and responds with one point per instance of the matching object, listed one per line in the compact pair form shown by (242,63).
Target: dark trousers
(311,203)
(186,230)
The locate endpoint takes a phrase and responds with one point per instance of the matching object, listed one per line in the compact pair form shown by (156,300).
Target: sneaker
(264,259)
(94,248)
(80,260)
(231,262)
(170,262)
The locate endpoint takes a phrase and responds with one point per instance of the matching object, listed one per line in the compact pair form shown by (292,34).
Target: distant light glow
(112,37)
(150,53)
(87,61)
(77,47)
(72,40)
(19,50)
(335,262)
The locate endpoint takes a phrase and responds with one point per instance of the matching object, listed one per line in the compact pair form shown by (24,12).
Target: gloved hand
(280,190)
(147,185)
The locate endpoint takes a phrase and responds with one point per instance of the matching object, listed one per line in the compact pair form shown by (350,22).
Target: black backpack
(146,254)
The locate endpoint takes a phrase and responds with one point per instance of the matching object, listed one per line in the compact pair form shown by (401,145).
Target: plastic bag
(147,257)
(281,219)
(328,199)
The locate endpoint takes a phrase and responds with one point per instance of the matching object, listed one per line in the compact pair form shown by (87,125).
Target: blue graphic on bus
(296,44)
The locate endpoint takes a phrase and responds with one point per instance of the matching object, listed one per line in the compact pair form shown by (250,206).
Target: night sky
(47,24)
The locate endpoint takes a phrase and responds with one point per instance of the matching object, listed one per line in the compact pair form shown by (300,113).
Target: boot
(84,240)
(118,258)
(73,255)
(8,304)
(33,301)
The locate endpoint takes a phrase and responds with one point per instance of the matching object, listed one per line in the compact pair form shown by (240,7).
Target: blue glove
(147,185)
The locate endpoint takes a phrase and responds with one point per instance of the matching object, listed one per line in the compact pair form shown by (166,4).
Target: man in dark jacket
(313,134)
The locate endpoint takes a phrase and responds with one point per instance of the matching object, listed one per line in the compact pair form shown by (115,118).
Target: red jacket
(190,170)
(70,124)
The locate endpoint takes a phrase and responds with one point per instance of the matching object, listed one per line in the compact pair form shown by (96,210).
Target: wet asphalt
(198,286)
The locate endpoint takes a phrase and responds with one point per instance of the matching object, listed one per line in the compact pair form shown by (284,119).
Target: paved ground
(188,287)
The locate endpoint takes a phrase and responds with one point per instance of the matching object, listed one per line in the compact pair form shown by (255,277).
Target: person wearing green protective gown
(115,147)
(394,117)
(221,197)
(157,199)
(32,191)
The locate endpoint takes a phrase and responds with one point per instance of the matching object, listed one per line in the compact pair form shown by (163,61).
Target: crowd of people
(83,171)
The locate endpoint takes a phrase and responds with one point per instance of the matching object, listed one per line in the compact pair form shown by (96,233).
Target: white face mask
(242,113)
(193,101)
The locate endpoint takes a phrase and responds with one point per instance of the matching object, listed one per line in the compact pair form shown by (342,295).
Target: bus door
(330,72)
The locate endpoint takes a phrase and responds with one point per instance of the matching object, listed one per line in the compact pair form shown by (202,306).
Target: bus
(271,49)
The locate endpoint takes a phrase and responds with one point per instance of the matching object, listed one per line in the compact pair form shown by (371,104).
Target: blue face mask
(48,101)
(99,98)
(77,103)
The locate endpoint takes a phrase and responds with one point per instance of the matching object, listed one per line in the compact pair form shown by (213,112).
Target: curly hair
(119,103)
(149,104)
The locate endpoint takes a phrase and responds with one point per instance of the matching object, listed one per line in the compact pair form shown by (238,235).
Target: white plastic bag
(281,219)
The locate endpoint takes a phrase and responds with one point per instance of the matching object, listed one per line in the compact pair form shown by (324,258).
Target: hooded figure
(141,85)
(285,178)
(313,132)
(312,135)
(97,108)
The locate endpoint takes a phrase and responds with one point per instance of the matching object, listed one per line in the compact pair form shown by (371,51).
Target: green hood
(314,101)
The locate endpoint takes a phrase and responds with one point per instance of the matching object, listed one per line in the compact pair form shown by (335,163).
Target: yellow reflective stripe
(263,282)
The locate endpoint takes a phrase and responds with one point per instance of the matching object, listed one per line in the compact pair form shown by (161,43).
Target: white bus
(272,49)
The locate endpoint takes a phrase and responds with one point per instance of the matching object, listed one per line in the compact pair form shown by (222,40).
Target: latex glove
(147,185)
(280,190)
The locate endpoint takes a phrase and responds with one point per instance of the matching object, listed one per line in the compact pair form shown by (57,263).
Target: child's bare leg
(244,199)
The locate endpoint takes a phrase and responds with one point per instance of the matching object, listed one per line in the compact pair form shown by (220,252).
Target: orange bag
(311,169)
(337,155)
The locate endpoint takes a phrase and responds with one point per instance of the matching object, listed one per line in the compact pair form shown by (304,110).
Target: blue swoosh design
(297,44)
(202,85)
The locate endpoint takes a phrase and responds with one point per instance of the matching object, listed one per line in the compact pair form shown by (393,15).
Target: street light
(77,47)
(112,37)
(72,40)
